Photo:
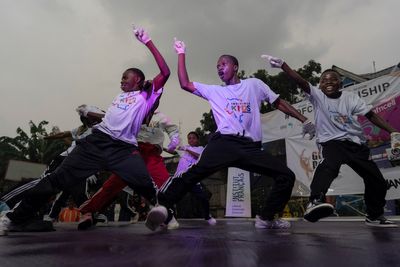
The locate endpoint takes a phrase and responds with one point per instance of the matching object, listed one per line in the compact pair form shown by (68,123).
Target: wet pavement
(232,242)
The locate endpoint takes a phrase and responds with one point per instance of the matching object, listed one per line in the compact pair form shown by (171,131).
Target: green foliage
(280,84)
(29,147)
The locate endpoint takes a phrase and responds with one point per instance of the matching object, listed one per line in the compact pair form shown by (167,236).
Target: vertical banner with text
(238,202)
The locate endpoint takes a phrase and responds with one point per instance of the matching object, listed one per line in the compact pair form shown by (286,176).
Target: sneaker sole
(155,219)
(172,227)
(319,212)
(260,226)
(3,232)
(381,225)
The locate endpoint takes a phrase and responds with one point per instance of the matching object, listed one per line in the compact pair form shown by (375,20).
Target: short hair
(232,58)
(194,133)
(331,70)
(137,72)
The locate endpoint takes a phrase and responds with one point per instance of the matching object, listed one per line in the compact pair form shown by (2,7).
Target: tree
(208,126)
(31,147)
(280,84)
(285,87)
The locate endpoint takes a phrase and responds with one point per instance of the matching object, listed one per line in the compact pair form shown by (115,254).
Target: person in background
(189,155)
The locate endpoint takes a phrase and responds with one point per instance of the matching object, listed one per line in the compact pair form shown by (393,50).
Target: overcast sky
(58,54)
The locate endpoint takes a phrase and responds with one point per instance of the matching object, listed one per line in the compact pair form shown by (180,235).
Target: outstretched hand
(141,34)
(308,128)
(172,146)
(274,62)
(82,110)
(179,46)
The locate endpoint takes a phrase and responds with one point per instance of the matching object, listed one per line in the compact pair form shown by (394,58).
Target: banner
(392,177)
(18,170)
(303,155)
(238,202)
(390,111)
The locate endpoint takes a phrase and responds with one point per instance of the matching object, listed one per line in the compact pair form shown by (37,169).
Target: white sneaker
(156,217)
(47,218)
(173,224)
(212,221)
(5,223)
(274,224)
(101,219)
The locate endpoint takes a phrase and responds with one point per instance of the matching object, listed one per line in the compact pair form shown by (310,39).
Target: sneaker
(47,218)
(156,217)
(100,219)
(173,224)
(5,223)
(317,210)
(274,224)
(381,221)
(135,218)
(212,221)
(86,221)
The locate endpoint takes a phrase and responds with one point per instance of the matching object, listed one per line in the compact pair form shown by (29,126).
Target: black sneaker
(381,221)
(86,221)
(317,210)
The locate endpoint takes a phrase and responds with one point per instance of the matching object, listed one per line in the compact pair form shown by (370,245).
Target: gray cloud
(58,54)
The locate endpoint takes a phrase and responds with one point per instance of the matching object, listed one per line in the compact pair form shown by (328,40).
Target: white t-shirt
(336,118)
(236,108)
(188,159)
(126,113)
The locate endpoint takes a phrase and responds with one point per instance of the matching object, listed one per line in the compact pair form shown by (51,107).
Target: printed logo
(237,108)
(342,121)
(125,101)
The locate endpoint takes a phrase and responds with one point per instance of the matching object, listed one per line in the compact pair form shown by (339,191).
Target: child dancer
(112,146)
(237,142)
(342,141)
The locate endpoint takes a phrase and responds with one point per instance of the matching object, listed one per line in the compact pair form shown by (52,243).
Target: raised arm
(171,129)
(275,62)
(288,109)
(381,123)
(285,107)
(184,81)
(160,80)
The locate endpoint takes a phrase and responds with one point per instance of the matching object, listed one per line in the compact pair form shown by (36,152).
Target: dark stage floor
(232,242)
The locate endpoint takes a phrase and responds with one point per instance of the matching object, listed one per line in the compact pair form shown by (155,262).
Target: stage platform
(232,242)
